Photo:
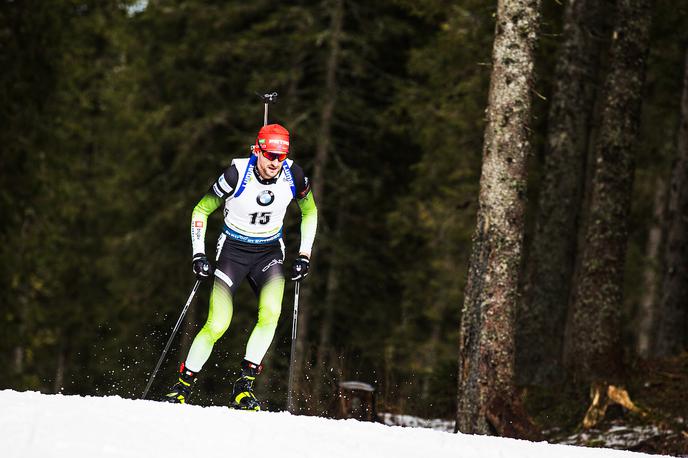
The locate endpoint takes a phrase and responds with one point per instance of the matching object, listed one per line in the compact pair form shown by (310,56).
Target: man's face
(268,168)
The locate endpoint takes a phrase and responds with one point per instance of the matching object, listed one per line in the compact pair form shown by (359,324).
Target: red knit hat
(273,138)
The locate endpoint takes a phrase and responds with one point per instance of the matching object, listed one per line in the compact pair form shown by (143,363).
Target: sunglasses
(272,156)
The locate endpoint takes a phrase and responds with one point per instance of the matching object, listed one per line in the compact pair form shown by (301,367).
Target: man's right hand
(201,266)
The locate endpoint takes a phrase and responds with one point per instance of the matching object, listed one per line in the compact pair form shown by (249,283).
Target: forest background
(116,117)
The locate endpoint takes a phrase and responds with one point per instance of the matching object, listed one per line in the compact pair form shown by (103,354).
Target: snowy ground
(46,426)
(416,422)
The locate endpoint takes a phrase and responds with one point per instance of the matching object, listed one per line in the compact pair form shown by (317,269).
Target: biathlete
(256,192)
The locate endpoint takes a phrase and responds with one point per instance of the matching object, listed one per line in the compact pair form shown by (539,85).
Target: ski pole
(169,341)
(294,325)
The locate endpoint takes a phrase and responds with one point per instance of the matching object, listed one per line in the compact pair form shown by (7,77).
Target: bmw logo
(265,198)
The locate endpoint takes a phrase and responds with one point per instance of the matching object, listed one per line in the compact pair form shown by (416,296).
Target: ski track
(46,426)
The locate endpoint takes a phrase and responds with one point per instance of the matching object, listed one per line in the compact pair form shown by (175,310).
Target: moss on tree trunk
(542,317)
(486,347)
(593,350)
(673,314)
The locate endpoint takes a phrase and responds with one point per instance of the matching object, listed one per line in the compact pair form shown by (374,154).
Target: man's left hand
(299,269)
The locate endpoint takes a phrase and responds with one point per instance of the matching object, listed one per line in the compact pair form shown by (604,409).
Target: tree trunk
(330,100)
(486,346)
(647,316)
(18,360)
(58,385)
(321,159)
(431,357)
(543,314)
(593,350)
(324,359)
(672,328)
(439,302)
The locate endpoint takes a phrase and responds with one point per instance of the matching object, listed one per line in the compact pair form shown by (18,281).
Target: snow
(619,436)
(415,422)
(47,426)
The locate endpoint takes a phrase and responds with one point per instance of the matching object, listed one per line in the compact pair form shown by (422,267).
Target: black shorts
(238,260)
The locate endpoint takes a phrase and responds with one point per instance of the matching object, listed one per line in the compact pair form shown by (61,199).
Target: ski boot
(242,394)
(181,391)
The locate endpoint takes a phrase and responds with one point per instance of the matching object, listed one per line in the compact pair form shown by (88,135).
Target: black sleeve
(226,183)
(301,181)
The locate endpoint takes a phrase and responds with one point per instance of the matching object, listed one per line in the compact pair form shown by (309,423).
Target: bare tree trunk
(18,359)
(542,317)
(431,360)
(324,357)
(486,399)
(293,117)
(672,332)
(439,302)
(647,315)
(321,159)
(325,133)
(593,350)
(60,370)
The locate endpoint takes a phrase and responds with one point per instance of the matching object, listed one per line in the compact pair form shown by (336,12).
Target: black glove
(299,269)
(201,266)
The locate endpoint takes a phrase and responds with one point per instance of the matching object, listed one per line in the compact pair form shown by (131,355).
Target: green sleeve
(199,221)
(309,222)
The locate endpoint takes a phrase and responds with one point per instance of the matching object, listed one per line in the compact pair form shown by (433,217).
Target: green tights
(220,315)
